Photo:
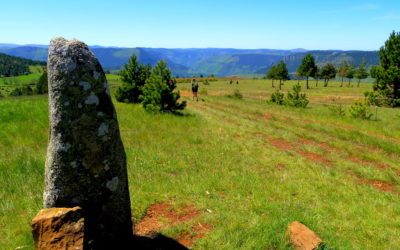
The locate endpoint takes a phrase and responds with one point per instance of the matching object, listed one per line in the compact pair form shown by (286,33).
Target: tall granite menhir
(86,163)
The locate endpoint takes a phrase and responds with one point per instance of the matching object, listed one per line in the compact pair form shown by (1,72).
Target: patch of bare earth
(281,165)
(355,159)
(322,145)
(281,144)
(383,186)
(197,232)
(161,215)
(315,157)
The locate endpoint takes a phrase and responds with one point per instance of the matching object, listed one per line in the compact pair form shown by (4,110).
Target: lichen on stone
(113,184)
(92,99)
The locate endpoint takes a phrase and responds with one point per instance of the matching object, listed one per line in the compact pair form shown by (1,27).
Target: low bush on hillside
(42,84)
(277,97)
(158,92)
(23,90)
(236,94)
(293,99)
(360,110)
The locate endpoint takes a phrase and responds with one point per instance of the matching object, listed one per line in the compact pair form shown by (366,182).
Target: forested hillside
(14,66)
(207,61)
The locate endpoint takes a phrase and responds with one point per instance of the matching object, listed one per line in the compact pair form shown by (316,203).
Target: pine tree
(350,73)
(328,72)
(133,76)
(158,92)
(281,73)
(342,71)
(271,74)
(361,72)
(41,84)
(387,75)
(307,68)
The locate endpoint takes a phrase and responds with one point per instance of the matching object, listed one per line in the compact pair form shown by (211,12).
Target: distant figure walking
(195,88)
(230,82)
(237,82)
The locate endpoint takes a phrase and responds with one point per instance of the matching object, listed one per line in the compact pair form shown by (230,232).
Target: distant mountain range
(217,61)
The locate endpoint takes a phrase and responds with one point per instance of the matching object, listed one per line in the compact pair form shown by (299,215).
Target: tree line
(386,88)
(15,66)
(308,68)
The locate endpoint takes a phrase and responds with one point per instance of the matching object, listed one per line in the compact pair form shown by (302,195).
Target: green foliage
(134,76)
(350,73)
(206,82)
(23,90)
(361,72)
(278,72)
(42,84)
(158,92)
(15,66)
(277,97)
(337,109)
(236,95)
(360,110)
(387,75)
(307,68)
(342,71)
(295,98)
(328,71)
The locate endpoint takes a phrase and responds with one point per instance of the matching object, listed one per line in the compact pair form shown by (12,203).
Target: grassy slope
(228,156)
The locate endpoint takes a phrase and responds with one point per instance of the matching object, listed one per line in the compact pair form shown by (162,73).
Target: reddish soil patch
(236,136)
(198,231)
(314,157)
(161,215)
(183,93)
(355,159)
(387,187)
(232,122)
(281,144)
(322,145)
(281,166)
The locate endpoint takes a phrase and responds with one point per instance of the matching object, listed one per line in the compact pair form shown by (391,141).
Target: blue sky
(310,24)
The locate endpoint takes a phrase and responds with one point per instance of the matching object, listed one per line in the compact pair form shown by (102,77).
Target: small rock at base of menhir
(302,238)
(59,228)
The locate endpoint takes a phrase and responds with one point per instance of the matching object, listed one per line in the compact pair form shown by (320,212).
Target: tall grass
(219,157)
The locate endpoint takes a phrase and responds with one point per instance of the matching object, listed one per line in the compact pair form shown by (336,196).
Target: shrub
(360,110)
(24,90)
(134,76)
(158,92)
(41,84)
(337,109)
(277,97)
(296,99)
(206,82)
(236,94)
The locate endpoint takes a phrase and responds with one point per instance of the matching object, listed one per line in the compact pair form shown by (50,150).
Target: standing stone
(86,162)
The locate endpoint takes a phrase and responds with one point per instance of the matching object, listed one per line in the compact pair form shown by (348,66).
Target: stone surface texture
(86,162)
(301,237)
(59,228)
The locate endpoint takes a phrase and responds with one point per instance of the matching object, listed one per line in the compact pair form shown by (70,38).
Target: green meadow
(250,167)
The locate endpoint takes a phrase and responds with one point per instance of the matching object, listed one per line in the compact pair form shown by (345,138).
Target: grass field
(250,168)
